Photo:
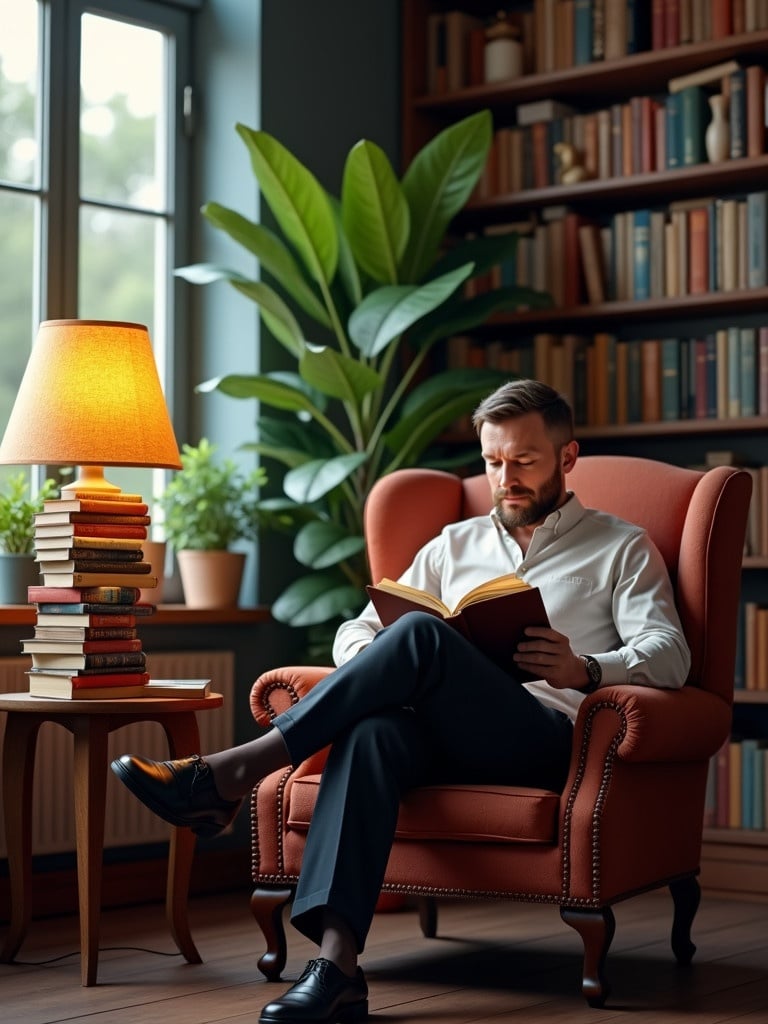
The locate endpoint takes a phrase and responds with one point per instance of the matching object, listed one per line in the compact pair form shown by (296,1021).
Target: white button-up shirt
(603,583)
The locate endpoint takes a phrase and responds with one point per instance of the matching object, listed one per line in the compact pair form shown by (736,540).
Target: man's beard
(536,511)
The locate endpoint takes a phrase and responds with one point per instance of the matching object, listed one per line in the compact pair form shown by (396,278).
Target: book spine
(757,239)
(88,565)
(738,113)
(698,249)
(582,32)
(762,386)
(670,379)
(115,660)
(755,103)
(96,595)
(693,119)
(747,371)
(642,265)
(673,138)
(734,372)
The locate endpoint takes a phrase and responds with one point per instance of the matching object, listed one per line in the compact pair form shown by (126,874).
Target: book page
(492,588)
(418,596)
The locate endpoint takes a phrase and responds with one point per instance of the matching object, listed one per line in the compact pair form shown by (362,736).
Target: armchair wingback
(630,816)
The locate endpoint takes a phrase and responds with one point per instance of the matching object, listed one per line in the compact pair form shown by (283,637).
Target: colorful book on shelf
(116,661)
(88,679)
(107,566)
(73,634)
(39,645)
(39,594)
(492,616)
(160,689)
(59,517)
(98,506)
(95,579)
(66,530)
(114,546)
(109,617)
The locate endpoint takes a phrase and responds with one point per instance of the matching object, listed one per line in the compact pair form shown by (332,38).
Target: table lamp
(90,397)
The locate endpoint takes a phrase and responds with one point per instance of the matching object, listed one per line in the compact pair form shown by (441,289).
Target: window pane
(122,117)
(118,258)
(18,90)
(17,216)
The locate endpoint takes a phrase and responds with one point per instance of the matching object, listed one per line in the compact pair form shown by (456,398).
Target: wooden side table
(90,722)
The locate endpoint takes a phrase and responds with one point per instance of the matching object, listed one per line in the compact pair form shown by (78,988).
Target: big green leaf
(290,433)
(316,598)
(315,479)
(437,184)
(277,316)
(297,200)
(337,375)
(268,388)
(374,211)
(348,273)
(320,544)
(485,251)
(273,255)
(207,273)
(449,396)
(456,317)
(386,313)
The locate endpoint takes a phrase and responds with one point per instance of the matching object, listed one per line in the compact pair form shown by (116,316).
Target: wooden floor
(491,963)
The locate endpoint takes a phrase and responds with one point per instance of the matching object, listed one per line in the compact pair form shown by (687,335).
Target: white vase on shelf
(717,138)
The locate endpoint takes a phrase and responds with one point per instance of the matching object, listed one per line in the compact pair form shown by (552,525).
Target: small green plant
(210,504)
(17,513)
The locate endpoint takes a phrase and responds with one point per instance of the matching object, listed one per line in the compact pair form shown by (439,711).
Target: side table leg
(90,771)
(18,771)
(183,740)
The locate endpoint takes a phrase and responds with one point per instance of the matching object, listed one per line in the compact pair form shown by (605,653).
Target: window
(93,163)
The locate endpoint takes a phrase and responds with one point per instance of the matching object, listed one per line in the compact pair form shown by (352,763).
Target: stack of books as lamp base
(89,548)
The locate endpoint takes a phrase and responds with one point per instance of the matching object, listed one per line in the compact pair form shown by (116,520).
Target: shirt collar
(560,521)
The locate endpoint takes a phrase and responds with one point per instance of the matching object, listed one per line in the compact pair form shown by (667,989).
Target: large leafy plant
(373,273)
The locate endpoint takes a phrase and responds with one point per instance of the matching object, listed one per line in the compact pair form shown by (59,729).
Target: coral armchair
(630,816)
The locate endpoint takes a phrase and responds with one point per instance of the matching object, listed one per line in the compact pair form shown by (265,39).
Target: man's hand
(547,655)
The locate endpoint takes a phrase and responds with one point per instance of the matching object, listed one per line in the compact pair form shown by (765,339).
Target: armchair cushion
(459,813)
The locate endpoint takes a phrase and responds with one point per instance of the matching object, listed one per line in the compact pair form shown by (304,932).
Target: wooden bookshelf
(589,87)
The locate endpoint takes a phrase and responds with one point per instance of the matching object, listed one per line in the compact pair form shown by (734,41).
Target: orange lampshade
(90,396)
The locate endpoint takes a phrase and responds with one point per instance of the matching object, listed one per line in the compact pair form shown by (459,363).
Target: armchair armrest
(660,725)
(276,690)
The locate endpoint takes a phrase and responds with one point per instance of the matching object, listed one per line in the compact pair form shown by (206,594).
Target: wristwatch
(594,672)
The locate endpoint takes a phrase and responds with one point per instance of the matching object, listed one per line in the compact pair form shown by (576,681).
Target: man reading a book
(401,708)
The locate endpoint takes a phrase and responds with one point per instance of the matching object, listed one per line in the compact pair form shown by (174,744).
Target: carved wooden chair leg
(686,894)
(267,907)
(427,916)
(596,928)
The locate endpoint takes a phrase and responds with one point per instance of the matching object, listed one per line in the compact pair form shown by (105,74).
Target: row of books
(691,247)
(89,551)
(737,793)
(721,376)
(752,654)
(644,135)
(560,34)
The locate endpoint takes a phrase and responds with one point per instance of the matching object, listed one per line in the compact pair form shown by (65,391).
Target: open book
(492,616)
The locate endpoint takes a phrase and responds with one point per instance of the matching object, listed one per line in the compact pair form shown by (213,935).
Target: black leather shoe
(181,792)
(322,995)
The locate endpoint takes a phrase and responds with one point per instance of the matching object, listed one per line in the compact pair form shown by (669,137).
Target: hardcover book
(108,506)
(59,517)
(40,645)
(39,594)
(88,663)
(108,531)
(64,689)
(95,579)
(69,542)
(492,616)
(117,617)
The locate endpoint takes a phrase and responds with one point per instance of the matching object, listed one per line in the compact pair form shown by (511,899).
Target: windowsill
(165,615)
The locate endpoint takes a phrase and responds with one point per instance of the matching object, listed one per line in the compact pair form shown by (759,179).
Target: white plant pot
(211,579)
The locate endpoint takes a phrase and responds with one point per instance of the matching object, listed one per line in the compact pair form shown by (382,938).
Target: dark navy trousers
(419,706)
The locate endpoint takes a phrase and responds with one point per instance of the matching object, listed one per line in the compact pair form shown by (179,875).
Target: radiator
(128,822)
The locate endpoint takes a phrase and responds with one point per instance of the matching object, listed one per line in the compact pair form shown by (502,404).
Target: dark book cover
(495,625)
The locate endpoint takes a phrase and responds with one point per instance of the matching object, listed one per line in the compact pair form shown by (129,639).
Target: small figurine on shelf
(503,50)
(569,170)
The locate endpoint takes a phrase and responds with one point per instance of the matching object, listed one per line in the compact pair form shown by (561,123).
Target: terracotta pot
(154,553)
(211,579)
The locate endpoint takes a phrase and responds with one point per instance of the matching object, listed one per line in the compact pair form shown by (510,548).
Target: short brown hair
(518,397)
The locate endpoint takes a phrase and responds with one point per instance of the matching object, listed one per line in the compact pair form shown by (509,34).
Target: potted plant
(374,273)
(18,569)
(208,506)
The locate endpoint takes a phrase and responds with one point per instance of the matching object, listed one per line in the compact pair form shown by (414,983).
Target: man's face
(525,468)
